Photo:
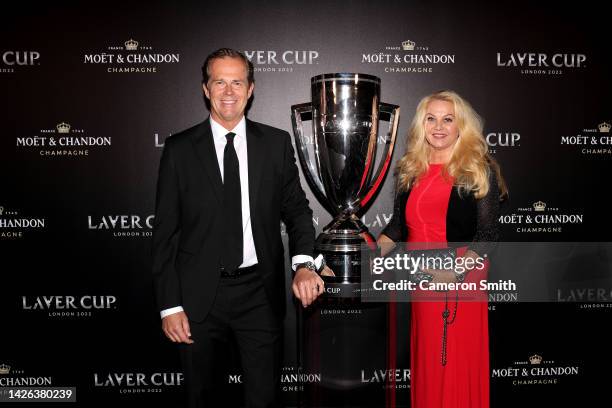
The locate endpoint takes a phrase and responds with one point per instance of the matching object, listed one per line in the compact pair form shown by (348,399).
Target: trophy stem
(348,222)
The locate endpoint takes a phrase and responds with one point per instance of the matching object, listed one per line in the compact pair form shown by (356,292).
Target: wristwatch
(308,265)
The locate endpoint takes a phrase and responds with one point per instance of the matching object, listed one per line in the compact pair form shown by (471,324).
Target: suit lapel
(255,155)
(205,148)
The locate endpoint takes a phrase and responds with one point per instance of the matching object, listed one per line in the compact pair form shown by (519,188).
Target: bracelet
(422,276)
(460,277)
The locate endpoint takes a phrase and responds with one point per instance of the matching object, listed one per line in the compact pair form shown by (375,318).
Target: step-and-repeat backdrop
(89,93)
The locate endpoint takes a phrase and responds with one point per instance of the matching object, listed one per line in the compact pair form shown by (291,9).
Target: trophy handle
(299,113)
(388,113)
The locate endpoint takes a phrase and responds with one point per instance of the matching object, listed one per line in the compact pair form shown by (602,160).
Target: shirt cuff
(172,310)
(298,259)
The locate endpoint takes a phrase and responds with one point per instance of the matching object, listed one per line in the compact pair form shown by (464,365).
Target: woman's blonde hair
(470,161)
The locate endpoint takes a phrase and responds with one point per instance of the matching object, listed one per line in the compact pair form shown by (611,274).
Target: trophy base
(339,288)
(343,341)
(344,249)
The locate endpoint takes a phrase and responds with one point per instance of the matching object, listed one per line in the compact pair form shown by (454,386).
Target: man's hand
(307,285)
(176,328)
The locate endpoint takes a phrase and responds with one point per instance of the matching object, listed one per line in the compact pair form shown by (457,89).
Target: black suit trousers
(241,309)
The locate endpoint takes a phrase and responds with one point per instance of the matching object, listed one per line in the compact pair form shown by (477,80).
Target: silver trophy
(345,111)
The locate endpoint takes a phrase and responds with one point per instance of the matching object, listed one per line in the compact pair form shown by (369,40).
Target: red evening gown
(464,380)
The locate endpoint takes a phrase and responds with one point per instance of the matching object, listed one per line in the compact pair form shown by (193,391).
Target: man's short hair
(227,53)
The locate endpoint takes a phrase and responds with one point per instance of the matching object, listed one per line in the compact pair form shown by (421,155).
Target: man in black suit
(218,260)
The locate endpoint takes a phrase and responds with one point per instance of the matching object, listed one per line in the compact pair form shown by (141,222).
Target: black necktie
(232,206)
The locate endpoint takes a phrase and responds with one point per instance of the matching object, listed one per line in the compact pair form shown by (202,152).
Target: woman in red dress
(449,191)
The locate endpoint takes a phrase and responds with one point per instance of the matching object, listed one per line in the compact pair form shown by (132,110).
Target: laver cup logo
(69,306)
(541,63)
(502,141)
(138,382)
(122,225)
(13,60)
(280,61)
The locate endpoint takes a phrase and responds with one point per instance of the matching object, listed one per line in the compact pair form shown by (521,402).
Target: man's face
(228,90)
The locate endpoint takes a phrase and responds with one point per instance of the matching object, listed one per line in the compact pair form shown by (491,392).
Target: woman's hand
(327,271)
(441,275)
(385,244)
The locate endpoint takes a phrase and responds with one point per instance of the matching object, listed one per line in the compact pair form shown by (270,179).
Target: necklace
(446,322)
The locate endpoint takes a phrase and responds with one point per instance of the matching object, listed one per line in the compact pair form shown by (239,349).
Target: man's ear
(206,92)
(251,88)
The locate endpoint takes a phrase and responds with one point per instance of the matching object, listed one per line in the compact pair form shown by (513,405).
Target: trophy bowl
(345,111)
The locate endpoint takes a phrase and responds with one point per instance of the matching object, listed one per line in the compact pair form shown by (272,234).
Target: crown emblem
(408,45)
(5,369)
(604,127)
(539,206)
(535,359)
(63,128)
(131,45)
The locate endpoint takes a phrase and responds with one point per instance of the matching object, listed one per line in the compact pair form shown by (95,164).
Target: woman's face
(441,130)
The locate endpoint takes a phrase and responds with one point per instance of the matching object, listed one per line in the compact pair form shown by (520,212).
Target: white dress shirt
(249,256)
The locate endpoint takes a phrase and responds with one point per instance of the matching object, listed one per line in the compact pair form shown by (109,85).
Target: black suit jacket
(189,222)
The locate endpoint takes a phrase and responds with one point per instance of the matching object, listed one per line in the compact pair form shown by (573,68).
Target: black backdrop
(76,300)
